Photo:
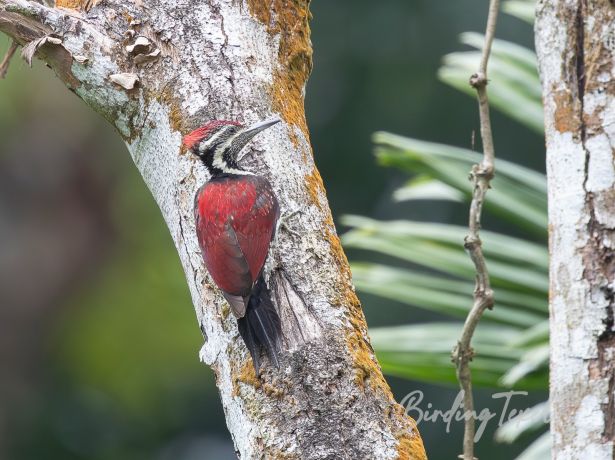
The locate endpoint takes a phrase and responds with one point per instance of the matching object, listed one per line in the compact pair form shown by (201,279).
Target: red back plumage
(248,205)
(193,138)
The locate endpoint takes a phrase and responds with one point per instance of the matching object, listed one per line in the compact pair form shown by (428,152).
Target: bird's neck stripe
(207,144)
(218,152)
(224,157)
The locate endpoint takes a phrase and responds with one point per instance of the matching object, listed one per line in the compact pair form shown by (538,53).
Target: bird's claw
(283,222)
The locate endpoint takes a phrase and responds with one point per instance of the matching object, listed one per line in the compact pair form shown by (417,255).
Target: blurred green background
(98,339)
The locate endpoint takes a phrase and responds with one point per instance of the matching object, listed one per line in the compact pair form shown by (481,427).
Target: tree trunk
(158,69)
(575,41)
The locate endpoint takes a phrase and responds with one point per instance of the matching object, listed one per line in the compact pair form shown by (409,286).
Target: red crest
(193,138)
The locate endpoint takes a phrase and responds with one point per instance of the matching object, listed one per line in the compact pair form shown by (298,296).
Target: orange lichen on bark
(247,376)
(410,447)
(338,253)
(289,19)
(367,369)
(368,374)
(566,112)
(176,118)
(315,187)
(278,454)
(273,391)
(71,4)
(84,5)
(366,366)
(568,116)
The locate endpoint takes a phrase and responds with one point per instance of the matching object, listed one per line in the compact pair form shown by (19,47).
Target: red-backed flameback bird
(236,214)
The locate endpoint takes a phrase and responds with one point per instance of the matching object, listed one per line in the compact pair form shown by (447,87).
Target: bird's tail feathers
(260,327)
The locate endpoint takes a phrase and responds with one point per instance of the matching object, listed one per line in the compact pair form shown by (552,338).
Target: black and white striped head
(218,143)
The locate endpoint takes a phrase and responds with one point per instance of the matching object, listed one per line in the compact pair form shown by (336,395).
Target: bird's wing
(255,229)
(227,264)
(238,304)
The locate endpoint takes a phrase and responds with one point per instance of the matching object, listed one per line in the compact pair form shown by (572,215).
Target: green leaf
(505,75)
(514,86)
(438,369)
(518,194)
(524,10)
(426,188)
(537,334)
(539,449)
(535,358)
(509,51)
(428,150)
(423,352)
(531,419)
(432,293)
(375,278)
(447,260)
(495,245)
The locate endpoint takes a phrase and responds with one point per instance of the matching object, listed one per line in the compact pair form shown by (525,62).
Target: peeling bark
(575,41)
(157,69)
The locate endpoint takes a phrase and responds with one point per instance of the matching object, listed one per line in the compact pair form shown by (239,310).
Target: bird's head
(218,143)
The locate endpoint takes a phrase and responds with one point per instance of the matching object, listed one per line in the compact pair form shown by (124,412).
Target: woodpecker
(236,214)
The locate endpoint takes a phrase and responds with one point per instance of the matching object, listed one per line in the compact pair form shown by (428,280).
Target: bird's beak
(256,128)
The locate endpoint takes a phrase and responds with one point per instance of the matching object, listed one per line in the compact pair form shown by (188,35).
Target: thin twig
(481,176)
(6,61)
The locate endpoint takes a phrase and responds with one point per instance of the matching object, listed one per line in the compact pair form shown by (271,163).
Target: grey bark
(575,41)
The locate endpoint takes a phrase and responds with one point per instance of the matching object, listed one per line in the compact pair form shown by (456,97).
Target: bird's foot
(283,222)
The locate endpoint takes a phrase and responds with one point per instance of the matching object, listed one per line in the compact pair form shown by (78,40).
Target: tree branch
(226,59)
(481,176)
(6,61)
